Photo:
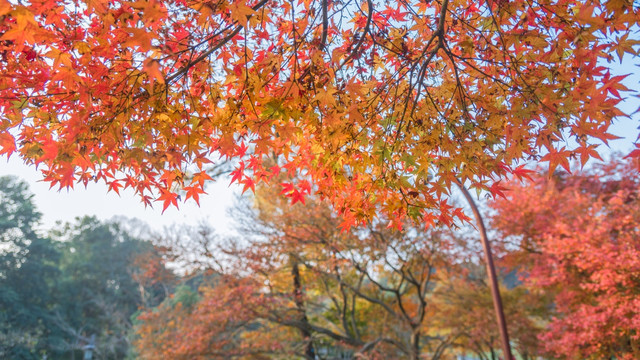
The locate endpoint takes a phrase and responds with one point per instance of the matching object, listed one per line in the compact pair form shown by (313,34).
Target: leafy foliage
(55,294)
(295,285)
(28,271)
(580,242)
(380,105)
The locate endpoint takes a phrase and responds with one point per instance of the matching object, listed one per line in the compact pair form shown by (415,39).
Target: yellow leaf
(152,68)
(325,97)
(241,12)
(82,48)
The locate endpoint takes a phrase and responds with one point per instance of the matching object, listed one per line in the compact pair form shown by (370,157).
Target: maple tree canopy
(375,105)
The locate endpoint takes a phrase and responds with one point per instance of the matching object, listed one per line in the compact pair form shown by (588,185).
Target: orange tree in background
(296,286)
(579,241)
(367,291)
(378,105)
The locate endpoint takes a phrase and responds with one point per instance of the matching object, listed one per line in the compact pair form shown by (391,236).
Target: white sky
(65,205)
(95,200)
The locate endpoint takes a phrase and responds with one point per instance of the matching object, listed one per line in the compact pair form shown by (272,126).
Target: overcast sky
(95,200)
(65,205)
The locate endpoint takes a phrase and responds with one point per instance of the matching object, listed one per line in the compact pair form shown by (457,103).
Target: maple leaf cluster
(379,105)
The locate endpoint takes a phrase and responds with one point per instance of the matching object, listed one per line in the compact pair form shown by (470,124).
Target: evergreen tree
(28,272)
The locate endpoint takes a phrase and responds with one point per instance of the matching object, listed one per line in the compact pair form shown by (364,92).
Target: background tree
(57,291)
(97,293)
(371,286)
(28,275)
(463,304)
(294,284)
(578,240)
(214,319)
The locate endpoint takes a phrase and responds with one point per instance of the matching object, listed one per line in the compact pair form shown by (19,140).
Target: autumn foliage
(380,105)
(373,109)
(295,285)
(580,242)
(216,322)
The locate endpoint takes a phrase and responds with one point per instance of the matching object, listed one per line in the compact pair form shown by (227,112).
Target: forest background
(290,284)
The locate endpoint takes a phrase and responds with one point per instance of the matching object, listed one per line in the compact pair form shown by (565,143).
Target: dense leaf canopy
(377,105)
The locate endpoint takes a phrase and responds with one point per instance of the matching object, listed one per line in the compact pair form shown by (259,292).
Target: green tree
(56,292)
(98,293)
(28,272)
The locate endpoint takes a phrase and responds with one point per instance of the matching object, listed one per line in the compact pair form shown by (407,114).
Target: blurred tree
(464,306)
(54,295)
(577,238)
(103,283)
(296,286)
(28,272)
